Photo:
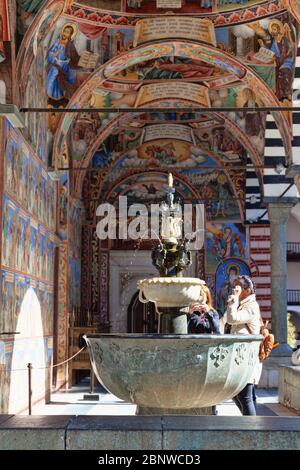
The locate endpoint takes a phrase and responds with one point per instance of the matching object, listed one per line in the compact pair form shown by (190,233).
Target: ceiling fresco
(92,55)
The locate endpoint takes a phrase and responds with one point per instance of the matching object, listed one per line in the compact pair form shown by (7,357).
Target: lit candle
(170,180)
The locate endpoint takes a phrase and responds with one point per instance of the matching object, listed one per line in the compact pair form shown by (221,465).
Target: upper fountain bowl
(171,291)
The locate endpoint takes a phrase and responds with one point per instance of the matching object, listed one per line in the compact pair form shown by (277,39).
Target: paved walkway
(72,402)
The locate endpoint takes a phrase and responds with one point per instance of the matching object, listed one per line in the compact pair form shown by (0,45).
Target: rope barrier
(48,367)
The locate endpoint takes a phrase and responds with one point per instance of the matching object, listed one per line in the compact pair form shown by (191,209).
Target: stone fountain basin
(173,371)
(170,291)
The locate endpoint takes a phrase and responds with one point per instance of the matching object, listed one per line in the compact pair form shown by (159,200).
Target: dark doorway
(141,318)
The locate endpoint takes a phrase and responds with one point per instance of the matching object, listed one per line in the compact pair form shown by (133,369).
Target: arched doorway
(141,318)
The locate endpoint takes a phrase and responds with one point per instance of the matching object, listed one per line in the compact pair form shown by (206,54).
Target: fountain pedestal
(172,321)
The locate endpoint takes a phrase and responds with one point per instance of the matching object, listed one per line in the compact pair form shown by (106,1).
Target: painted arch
(200,52)
(128,185)
(233,128)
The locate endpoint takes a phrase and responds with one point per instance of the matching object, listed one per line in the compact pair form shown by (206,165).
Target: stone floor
(72,402)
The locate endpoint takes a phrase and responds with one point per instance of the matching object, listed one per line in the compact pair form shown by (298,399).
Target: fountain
(171,372)
(171,292)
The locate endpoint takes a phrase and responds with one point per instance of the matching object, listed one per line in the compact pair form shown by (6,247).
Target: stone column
(278,216)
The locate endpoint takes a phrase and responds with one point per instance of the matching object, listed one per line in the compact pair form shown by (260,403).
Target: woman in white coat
(243,314)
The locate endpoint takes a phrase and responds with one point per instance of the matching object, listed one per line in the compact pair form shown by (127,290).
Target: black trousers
(245,401)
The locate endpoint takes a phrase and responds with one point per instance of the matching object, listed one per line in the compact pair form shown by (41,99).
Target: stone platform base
(270,372)
(149,433)
(144,411)
(289,387)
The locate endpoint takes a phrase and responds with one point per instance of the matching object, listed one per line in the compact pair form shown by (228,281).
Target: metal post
(29,366)
(92,381)
(92,395)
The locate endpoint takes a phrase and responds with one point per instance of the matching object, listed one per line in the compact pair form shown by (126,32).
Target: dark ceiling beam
(191,109)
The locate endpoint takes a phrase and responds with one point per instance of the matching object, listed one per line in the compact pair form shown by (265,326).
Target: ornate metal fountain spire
(171,257)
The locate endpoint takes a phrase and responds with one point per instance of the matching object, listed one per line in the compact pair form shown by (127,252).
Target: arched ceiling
(148,187)
(98,83)
(222,121)
(124,81)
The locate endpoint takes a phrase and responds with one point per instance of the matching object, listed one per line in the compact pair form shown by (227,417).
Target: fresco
(74,51)
(26,180)
(185,6)
(74,240)
(63,206)
(210,187)
(224,241)
(75,284)
(125,148)
(268,47)
(216,193)
(27,246)
(226,273)
(85,129)
(66,56)
(169,68)
(181,6)
(252,124)
(27,9)
(148,188)
(165,153)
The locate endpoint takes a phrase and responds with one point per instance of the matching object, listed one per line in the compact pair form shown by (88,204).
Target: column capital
(279,212)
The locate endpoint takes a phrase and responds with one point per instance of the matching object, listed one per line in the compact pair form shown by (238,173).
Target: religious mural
(76,48)
(27,9)
(224,241)
(226,273)
(26,179)
(62,219)
(27,276)
(213,189)
(74,239)
(185,6)
(26,245)
(268,47)
(74,51)
(252,123)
